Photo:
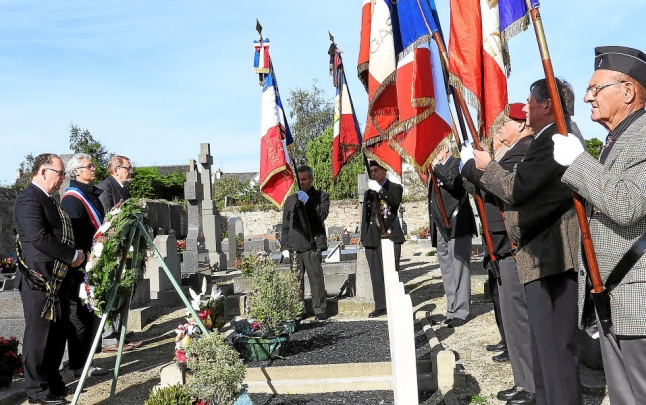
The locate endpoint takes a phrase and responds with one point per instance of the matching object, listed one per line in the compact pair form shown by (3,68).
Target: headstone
(334,229)
(210,215)
(160,284)
(345,239)
(233,243)
(364,284)
(334,256)
(193,194)
(239,228)
(256,244)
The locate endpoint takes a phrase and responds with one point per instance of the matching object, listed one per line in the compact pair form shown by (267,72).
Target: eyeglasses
(60,172)
(128,168)
(89,167)
(597,88)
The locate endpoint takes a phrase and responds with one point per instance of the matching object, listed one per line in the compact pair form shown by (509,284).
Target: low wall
(343,213)
(7,237)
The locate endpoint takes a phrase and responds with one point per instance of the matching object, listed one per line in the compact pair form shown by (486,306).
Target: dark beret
(622,59)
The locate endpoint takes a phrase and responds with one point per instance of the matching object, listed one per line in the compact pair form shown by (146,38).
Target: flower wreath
(106,255)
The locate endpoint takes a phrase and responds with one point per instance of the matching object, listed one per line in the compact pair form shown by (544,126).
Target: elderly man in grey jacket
(615,190)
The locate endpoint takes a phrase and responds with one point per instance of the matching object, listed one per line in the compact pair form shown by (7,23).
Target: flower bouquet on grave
(8,266)
(273,305)
(110,251)
(10,360)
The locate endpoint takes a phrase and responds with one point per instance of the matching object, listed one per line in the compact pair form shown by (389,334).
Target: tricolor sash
(93,213)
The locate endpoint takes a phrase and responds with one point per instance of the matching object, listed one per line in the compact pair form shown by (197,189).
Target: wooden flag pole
(588,247)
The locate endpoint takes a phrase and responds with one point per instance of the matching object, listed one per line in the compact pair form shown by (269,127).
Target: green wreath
(108,251)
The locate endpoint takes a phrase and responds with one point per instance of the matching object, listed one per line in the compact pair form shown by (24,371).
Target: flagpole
(462,111)
(590,256)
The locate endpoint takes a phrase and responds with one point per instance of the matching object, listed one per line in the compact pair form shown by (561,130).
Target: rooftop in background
(170,169)
(242,177)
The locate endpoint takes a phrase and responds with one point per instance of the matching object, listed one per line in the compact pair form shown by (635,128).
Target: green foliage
(218,371)
(244,193)
(319,158)
(431,253)
(148,183)
(171,395)
(312,112)
(415,188)
(275,295)
(594,147)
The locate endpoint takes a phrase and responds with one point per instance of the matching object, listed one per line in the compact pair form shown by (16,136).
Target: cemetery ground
(346,338)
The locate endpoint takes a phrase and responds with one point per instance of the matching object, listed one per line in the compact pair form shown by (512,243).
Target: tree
(232,187)
(594,147)
(312,112)
(82,141)
(148,183)
(319,154)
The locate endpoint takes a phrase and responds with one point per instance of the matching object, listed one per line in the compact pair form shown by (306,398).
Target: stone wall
(343,213)
(7,241)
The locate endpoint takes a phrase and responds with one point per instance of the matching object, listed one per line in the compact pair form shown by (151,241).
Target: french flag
(479,62)
(276,176)
(347,136)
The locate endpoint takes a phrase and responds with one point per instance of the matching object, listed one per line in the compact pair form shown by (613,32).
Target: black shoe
(523,398)
(498,347)
(48,400)
(376,313)
(454,322)
(320,317)
(439,320)
(502,357)
(506,395)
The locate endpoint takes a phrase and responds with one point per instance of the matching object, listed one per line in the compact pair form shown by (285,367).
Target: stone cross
(193,195)
(210,216)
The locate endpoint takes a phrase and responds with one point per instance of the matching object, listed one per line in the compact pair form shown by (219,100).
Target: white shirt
(542,130)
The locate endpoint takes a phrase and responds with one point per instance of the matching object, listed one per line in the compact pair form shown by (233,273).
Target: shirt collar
(542,130)
(42,189)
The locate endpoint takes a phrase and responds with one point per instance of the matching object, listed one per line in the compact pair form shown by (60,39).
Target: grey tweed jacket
(616,195)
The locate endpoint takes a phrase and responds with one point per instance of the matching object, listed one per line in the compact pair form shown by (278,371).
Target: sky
(153,79)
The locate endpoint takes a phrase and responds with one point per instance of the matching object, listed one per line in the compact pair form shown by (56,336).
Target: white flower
(88,266)
(82,292)
(132,249)
(97,249)
(104,227)
(115,211)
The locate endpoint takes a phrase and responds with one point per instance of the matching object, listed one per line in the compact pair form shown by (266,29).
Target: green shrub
(218,371)
(171,395)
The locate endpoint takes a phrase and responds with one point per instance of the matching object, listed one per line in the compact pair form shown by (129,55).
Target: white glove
(566,149)
(302,196)
(466,154)
(373,185)
(286,254)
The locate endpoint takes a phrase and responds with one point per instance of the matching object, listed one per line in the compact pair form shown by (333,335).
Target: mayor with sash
(81,202)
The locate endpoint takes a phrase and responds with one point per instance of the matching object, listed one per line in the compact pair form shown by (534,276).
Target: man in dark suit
(517,136)
(82,205)
(47,247)
(114,190)
(453,244)
(383,198)
(542,223)
(303,234)
(114,186)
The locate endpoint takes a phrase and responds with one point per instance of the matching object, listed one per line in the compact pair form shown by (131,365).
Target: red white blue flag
(400,64)
(347,137)
(276,176)
(479,61)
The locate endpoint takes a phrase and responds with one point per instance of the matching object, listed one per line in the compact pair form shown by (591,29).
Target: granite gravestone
(193,194)
(211,219)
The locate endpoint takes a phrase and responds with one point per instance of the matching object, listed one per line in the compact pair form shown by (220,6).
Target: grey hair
(75,162)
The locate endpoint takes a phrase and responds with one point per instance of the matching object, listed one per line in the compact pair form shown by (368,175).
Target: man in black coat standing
(114,190)
(517,136)
(47,247)
(303,234)
(82,205)
(382,198)
(453,244)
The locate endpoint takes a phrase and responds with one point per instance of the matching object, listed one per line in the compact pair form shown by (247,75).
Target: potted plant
(273,305)
(8,266)
(10,360)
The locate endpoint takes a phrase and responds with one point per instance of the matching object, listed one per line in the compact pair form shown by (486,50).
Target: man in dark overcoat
(382,198)
(453,244)
(47,248)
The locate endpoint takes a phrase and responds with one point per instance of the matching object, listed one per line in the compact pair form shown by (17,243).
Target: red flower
(201,402)
(180,356)
(203,314)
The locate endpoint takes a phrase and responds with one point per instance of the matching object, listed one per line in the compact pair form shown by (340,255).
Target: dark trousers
(376,266)
(552,313)
(82,328)
(624,362)
(492,283)
(43,345)
(310,262)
